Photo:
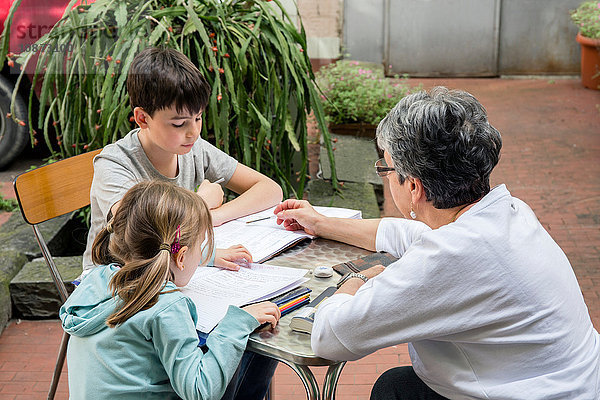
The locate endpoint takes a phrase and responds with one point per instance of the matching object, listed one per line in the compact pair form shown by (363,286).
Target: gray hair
(443,138)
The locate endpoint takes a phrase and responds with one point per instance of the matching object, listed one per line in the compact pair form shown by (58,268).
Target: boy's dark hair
(162,77)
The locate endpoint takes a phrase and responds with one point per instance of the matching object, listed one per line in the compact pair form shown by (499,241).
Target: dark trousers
(401,383)
(252,378)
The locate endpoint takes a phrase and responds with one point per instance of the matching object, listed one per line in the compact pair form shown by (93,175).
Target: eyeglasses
(382,168)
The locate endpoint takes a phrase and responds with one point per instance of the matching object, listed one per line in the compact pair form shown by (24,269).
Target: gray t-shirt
(124,163)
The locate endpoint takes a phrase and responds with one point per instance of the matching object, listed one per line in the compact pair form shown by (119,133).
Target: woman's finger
(294,226)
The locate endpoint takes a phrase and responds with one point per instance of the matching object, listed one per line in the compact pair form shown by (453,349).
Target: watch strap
(350,276)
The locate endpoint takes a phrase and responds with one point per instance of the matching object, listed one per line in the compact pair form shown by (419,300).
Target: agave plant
(249,51)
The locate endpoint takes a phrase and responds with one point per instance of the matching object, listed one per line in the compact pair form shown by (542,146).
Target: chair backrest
(55,189)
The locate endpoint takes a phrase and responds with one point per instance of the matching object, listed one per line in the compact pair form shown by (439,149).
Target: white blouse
(489,304)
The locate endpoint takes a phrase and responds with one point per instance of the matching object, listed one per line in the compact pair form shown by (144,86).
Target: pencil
(260,219)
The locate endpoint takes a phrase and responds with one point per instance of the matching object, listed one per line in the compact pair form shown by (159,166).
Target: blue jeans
(252,378)
(401,383)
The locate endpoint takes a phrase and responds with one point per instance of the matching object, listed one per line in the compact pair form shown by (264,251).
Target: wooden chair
(48,192)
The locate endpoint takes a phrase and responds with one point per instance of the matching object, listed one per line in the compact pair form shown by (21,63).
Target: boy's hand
(211,193)
(264,312)
(232,257)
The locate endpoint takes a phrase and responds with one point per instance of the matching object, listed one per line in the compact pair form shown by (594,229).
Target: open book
(213,290)
(265,239)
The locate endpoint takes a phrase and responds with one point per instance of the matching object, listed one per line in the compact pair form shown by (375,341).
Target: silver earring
(413,215)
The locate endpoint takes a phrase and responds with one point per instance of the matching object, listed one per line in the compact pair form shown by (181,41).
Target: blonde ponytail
(140,293)
(151,217)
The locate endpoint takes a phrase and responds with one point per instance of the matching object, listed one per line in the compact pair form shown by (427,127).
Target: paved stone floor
(550,159)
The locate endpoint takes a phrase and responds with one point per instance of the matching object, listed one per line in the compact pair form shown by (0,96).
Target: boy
(168,95)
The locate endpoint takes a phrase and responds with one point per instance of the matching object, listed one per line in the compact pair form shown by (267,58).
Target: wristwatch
(351,275)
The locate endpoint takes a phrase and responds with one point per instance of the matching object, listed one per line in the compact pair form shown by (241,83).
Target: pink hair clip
(176,246)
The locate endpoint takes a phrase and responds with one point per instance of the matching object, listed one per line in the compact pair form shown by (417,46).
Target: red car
(32,20)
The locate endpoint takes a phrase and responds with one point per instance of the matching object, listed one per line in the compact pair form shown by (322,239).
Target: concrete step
(18,245)
(354,160)
(354,195)
(32,290)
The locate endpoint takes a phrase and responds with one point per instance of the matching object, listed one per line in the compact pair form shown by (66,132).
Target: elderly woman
(487,301)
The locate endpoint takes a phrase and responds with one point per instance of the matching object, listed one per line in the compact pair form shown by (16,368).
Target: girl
(133,333)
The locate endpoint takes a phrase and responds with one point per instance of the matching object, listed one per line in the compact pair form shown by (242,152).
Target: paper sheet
(212,289)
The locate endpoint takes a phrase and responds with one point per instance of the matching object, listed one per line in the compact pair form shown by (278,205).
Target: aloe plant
(250,52)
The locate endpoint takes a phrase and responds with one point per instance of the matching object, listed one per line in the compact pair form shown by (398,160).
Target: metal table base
(293,348)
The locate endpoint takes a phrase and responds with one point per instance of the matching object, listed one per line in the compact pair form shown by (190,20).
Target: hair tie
(109,226)
(176,246)
(164,246)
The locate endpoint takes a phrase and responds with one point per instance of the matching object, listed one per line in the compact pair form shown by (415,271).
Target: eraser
(323,271)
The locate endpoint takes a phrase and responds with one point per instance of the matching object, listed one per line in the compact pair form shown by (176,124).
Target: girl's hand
(232,257)
(211,193)
(264,312)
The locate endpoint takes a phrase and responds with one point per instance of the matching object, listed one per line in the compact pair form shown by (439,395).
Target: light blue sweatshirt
(152,355)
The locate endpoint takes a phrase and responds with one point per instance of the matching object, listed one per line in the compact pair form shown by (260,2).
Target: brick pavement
(550,159)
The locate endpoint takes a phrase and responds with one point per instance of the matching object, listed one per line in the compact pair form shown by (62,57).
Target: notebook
(265,239)
(213,290)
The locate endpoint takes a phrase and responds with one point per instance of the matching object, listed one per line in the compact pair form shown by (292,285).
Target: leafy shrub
(357,92)
(9,205)
(587,19)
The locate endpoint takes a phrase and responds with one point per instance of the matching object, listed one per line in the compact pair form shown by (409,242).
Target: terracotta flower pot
(590,61)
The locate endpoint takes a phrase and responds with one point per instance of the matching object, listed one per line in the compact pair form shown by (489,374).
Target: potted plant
(587,19)
(357,95)
(251,53)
